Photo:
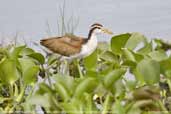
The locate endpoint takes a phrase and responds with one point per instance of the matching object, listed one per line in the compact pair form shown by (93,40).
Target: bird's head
(98,28)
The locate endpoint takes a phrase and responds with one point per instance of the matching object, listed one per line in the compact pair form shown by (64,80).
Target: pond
(29,18)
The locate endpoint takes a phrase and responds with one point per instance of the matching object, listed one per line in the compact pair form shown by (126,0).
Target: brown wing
(63,45)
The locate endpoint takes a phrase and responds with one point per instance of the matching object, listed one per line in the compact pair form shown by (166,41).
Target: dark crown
(96,24)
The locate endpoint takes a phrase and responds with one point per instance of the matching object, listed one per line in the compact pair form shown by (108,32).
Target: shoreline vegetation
(128,75)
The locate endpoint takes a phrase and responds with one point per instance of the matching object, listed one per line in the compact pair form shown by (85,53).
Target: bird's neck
(92,41)
(91,37)
(91,33)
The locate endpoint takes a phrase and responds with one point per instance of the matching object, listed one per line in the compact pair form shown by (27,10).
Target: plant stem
(79,69)
(20,96)
(106,105)
(169,83)
(11,91)
(162,107)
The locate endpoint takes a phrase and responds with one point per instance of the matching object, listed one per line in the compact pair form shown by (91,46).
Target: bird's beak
(107,31)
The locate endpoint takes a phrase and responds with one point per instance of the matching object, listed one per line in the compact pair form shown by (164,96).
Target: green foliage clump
(131,75)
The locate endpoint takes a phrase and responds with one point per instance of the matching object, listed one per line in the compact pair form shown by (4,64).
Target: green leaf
(146,49)
(86,85)
(113,76)
(129,63)
(44,88)
(67,82)
(119,89)
(37,56)
(26,51)
(90,62)
(30,75)
(62,91)
(40,100)
(8,71)
(64,86)
(118,42)
(17,50)
(128,55)
(149,70)
(29,71)
(166,67)
(109,56)
(118,108)
(91,73)
(52,58)
(158,55)
(73,107)
(88,103)
(131,56)
(135,40)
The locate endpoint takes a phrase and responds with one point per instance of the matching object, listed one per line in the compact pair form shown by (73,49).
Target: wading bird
(75,47)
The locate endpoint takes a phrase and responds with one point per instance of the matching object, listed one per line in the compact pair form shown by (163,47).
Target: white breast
(87,48)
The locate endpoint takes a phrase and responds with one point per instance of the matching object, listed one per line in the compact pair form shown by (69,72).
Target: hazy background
(28,17)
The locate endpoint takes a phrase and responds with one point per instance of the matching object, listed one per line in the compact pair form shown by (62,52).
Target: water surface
(29,17)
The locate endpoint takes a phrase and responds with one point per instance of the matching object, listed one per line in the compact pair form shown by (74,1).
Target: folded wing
(65,46)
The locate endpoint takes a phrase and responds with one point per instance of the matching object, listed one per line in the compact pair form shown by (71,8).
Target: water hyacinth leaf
(44,88)
(91,73)
(26,51)
(146,49)
(8,71)
(149,70)
(128,55)
(66,81)
(118,42)
(107,104)
(73,107)
(165,66)
(40,100)
(131,56)
(62,90)
(131,84)
(158,55)
(129,63)
(135,40)
(37,56)
(29,70)
(118,108)
(109,56)
(160,44)
(90,62)
(26,63)
(138,76)
(134,110)
(16,51)
(106,68)
(30,75)
(88,103)
(113,76)
(86,85)
(119,89)
(51,59)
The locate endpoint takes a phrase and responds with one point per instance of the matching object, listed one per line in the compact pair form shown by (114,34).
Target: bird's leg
(64,67)
(79,69)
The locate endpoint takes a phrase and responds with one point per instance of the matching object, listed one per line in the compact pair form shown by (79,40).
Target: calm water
(29,17)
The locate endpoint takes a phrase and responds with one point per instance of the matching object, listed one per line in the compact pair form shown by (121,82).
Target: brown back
(65,45)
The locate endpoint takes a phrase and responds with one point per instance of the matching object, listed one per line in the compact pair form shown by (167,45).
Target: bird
(71,47)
